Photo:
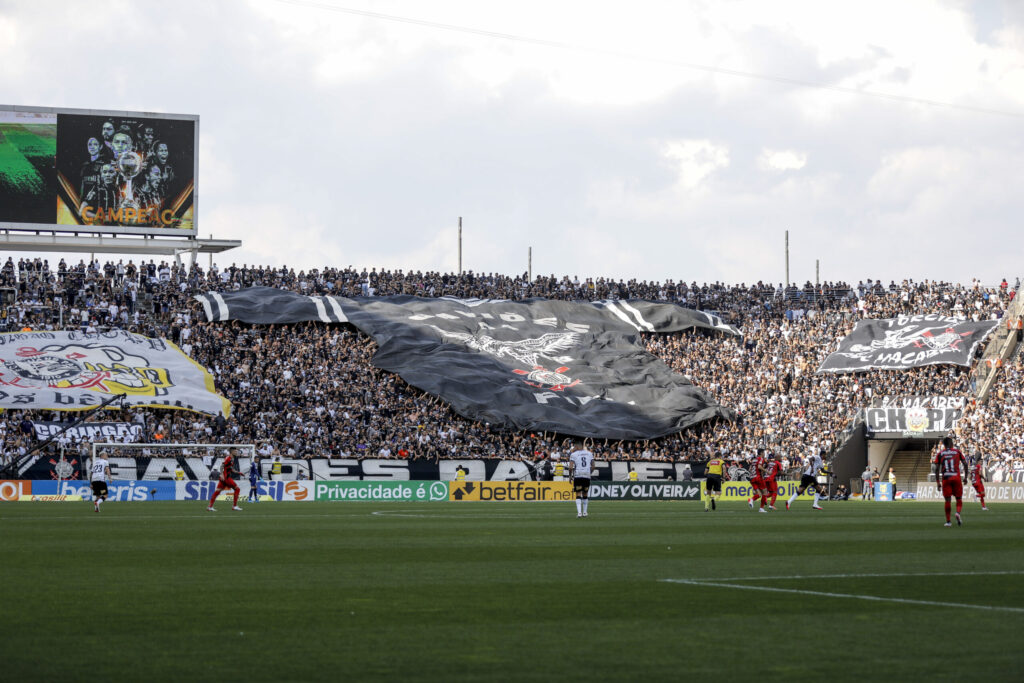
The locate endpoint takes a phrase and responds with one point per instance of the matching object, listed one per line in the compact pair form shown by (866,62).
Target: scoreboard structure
(88,171)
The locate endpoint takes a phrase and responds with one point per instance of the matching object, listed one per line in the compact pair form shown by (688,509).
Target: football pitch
(509,591)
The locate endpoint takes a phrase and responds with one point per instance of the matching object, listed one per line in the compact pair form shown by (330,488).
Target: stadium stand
(309,390)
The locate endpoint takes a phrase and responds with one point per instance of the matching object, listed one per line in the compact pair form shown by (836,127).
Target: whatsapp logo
(438,491)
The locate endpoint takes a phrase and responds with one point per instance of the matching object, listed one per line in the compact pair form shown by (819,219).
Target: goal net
(170,461)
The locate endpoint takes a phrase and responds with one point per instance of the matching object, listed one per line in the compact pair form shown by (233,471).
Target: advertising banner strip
(741,490)
(646,490)
(411,491)
(511,491)
(12,490)
(50,499)
(290,491)
(994,493)
(123,491)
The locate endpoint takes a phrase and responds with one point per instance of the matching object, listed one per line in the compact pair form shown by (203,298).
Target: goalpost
(167,458)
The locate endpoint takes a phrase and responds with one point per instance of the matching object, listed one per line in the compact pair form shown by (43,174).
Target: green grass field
(515,591)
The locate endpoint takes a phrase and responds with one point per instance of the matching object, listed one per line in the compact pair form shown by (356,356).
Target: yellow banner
(510,490)
(50,498)
(740,490)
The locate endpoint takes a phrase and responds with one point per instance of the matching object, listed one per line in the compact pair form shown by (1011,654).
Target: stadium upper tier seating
(309,389)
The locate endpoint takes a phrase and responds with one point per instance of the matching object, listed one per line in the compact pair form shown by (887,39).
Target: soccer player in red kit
(978,480)
(758,487)
(771,476)
(227,469)
(947,475)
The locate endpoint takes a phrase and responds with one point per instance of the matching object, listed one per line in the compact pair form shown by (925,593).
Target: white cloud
(781,160)
(696,160)
(330,137)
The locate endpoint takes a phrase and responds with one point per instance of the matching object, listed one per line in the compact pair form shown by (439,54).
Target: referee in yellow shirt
(714,472)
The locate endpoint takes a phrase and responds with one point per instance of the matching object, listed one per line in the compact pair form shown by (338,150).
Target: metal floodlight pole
(787,258)
(817,272)
(460,246)
(529,263)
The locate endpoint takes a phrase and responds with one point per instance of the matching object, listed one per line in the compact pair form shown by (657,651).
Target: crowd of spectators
(994,430)
(309,390)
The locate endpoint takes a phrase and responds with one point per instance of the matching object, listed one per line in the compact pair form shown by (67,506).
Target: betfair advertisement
(510,491)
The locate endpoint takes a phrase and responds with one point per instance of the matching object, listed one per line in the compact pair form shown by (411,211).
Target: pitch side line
(1008,572)
(871,598)
(87,516)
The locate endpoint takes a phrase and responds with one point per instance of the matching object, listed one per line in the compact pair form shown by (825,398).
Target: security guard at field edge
(633,475)
(275,469)
(460,473)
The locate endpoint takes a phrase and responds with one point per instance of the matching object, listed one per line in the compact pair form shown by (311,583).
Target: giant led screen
(97,171)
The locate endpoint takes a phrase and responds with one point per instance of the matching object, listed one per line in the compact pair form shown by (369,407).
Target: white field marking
(126,518)
(424,514)
(853,596)
(1012,572)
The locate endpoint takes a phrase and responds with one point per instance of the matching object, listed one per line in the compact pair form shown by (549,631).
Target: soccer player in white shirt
(580,463)
(100,477)
(812,465)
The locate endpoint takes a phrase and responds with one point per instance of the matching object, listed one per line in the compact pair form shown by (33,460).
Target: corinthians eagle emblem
(899,339)
(525,351)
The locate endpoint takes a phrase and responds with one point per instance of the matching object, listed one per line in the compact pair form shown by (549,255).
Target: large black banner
(569,367)
(908,342)
(366,469)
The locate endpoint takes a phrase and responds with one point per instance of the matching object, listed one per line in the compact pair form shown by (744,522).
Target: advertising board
(645,490)
(122,491)
(289,491)
(79,170)
(510,491)
(994,493)
(11,490)
(884,492)
(418,491)
(740,490)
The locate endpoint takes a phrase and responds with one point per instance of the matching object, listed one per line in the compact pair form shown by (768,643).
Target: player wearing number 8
(947,476)
(580,462)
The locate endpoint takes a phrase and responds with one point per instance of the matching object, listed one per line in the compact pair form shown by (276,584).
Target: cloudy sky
(650,140)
